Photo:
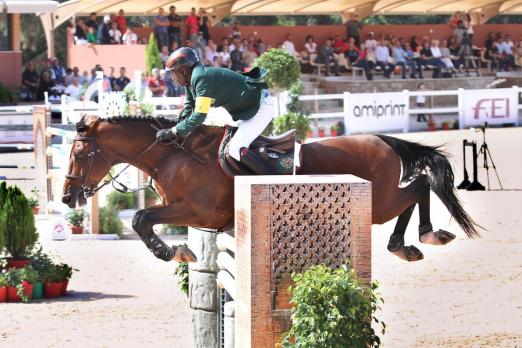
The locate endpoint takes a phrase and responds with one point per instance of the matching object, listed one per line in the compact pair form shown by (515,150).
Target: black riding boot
(255,163)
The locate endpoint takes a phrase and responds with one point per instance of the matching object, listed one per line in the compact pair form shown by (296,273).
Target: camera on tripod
(487,158)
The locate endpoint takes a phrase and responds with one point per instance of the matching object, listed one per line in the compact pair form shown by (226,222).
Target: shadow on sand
(83,296)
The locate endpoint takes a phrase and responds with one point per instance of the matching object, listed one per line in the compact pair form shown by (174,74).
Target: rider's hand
(165,136)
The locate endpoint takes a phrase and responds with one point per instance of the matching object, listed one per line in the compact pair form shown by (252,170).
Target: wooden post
(95,215)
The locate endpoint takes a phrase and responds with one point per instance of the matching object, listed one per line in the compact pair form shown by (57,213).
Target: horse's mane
(165,122)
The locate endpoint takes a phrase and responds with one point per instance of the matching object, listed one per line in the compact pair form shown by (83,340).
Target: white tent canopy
(28,6)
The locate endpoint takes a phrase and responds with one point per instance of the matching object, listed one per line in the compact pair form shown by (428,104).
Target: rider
(245,97)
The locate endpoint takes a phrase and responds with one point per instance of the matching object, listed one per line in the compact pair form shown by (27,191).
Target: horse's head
(87,164)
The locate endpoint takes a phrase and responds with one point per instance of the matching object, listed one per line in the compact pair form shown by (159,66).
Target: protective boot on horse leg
(245,97)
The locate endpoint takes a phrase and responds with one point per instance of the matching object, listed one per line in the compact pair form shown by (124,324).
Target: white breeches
(249,130)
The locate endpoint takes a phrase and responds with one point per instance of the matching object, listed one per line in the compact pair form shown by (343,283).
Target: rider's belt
(203,104)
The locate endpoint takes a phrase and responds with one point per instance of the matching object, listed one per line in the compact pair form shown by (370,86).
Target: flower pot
(3,294)
(17,263)
(432,126)
(321,134)
(445,126)
(333,132)
(76,229)
(36,210)
(309,134)
(38,290)
(63,290)
(52,290)
(12,296)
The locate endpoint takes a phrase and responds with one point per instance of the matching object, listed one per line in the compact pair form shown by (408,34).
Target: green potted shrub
(52,281)
(320,132)
(3,288)
(333,130)
(41,262)
(445,125)
(332,308)
(17,226)
(33,201)
(75,218)
(292,120)
(66,272)
(110,223)
(120,200)
(19,283)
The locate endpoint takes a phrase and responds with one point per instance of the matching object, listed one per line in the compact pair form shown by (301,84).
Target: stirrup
(255,162)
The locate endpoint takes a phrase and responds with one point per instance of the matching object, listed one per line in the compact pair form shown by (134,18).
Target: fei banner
(494,106)
(376,112)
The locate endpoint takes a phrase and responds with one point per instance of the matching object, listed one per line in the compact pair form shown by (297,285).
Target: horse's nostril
(66,199)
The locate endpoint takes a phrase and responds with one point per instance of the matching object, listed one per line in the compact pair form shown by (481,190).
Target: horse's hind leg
(426,233)
(396,244)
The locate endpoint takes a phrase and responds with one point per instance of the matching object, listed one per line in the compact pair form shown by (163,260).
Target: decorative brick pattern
(287,227)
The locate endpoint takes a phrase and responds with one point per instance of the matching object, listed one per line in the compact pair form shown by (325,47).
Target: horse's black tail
(417,158)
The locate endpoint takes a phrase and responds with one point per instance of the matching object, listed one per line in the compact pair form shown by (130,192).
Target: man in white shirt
(211,53)
(288,45)
(130,38)
(382,58)
(371,46)
(73,90)
(115,34)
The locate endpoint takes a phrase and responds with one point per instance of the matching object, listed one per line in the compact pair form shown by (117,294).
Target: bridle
(88,188)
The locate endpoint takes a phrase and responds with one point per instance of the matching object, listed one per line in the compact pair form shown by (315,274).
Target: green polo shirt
(239,94)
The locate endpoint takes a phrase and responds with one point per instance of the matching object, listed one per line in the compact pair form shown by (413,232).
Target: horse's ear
(86,123)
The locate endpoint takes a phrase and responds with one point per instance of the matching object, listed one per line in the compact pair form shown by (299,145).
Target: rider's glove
(166,136)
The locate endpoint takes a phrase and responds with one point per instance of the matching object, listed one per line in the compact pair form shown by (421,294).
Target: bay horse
(199,194)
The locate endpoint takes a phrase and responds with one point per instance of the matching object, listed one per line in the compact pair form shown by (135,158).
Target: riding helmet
(183,57)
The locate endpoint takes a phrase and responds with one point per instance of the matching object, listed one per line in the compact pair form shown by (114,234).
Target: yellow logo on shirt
(203,104)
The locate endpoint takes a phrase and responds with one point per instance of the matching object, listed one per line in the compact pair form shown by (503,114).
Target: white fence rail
(378,112)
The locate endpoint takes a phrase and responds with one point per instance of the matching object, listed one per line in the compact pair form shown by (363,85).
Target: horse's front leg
(143,222)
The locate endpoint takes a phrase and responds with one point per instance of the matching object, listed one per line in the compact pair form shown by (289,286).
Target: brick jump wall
(285,224)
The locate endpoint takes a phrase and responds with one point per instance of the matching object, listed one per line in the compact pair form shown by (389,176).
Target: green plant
(294,104)
(332,308)
(76,216)
(17,223)
(33,199)
(52,274)
(3,280)
(182,271)
(6,96)
(118,200)
(15,276)
(291,120)
(152,57)
(172,229)
(283,70)
(3,196)
(334,127)
(41,262)
(150,194)
(110,222)
(66,271)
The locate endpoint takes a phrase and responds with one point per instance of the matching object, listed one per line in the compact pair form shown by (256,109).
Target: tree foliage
(291,120)
(152,57)
(332,309)
(17,222)
(283,68)
(110,222)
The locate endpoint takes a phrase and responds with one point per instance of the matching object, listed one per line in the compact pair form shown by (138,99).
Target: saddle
(277,151)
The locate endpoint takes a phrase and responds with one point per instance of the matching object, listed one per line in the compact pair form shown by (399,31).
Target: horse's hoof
(440,237)
(408,253)
(184,254)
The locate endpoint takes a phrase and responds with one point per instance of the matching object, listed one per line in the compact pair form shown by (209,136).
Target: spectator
(224,57)
(73,90)
(200,46)
(173,89)
(413,59)
(261,47)
(121,21)
(236,59)
(427,60)
(382,57)
(92,22)
(469,23)
(174,46)
(437,55)
(414,43)
(371,45)
(161,23)
(111,77)
(203,24)
(518,54)
(505,52)
(236,33)
(455,19)
(30,81)
(75,72)
(354,27)
(421,103)
(459,32)
(399,54)
(249,56)
(58,72)
(115,34)
(363,62)
(156,85)
(224,42)
(80,33)
(327,56)
(121,81)
(164,55)
(310,47)
(130,37)
(210,54)
(288,45)
(192,25)
(450,61)
(102,35)
(45,85)
(174,26)
(91,36)
(339,44)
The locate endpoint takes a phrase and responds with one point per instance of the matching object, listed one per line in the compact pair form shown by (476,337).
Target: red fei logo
(492,108)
